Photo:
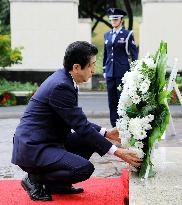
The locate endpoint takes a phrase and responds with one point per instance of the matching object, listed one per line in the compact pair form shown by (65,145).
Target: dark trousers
(113,97)
(72,168)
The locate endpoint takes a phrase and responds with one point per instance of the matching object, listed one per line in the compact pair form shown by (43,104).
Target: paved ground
(93,103)
(163,189)
(106,166)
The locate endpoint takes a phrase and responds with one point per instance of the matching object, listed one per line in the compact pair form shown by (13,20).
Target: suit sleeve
(105,55)
(132,48)
(63,100)
(97,127)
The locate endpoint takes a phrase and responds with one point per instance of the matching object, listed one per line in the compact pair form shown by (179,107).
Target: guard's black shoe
(35,191)
(65,190)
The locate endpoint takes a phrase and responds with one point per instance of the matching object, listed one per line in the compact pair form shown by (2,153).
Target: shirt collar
(74,83)
(117,31)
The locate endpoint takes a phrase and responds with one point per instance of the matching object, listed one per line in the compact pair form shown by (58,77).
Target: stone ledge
(21,93)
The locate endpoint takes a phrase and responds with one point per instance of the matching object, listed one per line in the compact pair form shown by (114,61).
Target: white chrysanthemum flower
(149,62)
(140,79)
(144,86)
(121,112)
(138,126)
(140,135)
(124,103)
(124,123)
(124,98)
(136,99)
(132,91)
(134,125)
(150,117)
(126,134)
(125,142)
(125,77)
(136,65)
(146,126)
(121,124)
(139,144)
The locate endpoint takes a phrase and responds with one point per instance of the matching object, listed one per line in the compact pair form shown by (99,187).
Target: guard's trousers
(113,97)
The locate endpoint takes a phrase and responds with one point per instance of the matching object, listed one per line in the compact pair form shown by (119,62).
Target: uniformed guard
(119,47)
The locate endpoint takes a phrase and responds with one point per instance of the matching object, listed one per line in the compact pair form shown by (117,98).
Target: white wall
(45,28)
(162,21)
(84,30)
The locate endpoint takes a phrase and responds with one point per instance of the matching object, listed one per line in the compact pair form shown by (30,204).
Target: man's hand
(113,134)
(128,156)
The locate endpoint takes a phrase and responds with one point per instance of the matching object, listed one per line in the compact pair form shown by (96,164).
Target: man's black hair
(79,52)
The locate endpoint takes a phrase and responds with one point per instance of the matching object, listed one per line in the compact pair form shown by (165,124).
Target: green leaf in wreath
(132,141)
(132,111)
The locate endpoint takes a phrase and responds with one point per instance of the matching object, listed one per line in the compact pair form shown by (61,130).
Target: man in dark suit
(54,140)
(119,46)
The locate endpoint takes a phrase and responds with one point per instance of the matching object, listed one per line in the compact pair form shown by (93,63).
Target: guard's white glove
(104,75)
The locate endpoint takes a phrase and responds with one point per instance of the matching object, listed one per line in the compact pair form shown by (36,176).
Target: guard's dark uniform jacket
(116,54)
(48,119)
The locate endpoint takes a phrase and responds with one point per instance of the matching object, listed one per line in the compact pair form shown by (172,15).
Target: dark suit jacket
(116,54)
(48,119)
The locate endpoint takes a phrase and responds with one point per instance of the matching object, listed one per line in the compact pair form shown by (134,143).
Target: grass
(98,39)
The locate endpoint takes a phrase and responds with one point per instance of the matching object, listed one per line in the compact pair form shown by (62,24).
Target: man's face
(116,22)
(87,71)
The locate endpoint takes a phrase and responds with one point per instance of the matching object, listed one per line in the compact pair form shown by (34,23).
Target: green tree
(8,56)
(4,17)
(96,10)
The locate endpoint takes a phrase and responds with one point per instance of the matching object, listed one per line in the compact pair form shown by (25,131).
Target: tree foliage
(8,56)
(96,10)
(4,17)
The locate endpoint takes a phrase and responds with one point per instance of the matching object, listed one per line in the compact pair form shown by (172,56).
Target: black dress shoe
(64,190)
(35,191)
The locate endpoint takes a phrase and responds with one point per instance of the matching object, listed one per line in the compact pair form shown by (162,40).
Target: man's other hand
(128,156)
(113,134)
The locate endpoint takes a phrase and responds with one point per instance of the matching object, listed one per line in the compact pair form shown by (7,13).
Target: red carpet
(98,191)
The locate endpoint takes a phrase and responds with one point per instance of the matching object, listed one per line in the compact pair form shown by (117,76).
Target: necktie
(113,36)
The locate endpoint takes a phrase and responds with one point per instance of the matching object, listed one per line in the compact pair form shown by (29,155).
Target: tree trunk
(130,14)
(99,19)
